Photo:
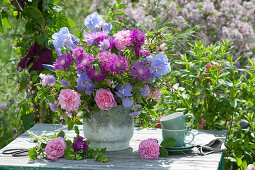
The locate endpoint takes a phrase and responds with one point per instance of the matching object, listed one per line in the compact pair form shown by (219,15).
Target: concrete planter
(109,129)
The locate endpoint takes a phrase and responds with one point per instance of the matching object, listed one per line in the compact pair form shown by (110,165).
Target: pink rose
(104,99)
(149,149)
(69,100)
(55,148)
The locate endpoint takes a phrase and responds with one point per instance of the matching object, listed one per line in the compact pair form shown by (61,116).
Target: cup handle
(192,121)
(193,136)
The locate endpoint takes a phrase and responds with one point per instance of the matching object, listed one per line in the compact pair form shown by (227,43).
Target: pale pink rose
(104,99)
(55,148)
(149,149)
(122,39)
(69,100)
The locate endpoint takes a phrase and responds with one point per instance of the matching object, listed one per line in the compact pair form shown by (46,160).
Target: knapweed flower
(47,79)
(124,92)
(69,100)
(64,83)
(140,71)
(104,99)
(94,37)
(35,56)
(159,66)
(55,148)
(77,52)
(96,23)
(122,39)
(95,75)
(85,83)
(83,61)
(80,144)
(63,62)
(64,38)
(104,45)
(119,64)
(149,149)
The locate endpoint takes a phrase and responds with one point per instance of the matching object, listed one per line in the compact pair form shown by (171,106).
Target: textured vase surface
(111,129)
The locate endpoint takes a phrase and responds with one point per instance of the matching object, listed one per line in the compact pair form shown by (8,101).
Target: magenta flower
(83,61)
(69,100)
(80,144)
(140,71)
(105,59)
(94,37)
(149,149)
(77,52)
(122,39)
(55,148)
(95,75)
(119,65)
(63,62)
(104,99)
(35,56)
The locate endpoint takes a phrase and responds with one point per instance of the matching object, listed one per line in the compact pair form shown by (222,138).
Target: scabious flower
(159,66)
(119,64)
(140,71)
(63,62)
(47,79)
(122,39)
(85,83)
(69,100)
(55,148)
(64,38)
(35,56)
(83,61)
(80,144)
(149,149)
(94,37)
(64,83)
(124,92)
(95,75)
(104,99)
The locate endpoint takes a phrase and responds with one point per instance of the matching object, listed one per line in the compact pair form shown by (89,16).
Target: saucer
(185,148)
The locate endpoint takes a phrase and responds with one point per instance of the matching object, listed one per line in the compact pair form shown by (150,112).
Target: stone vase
(111,129)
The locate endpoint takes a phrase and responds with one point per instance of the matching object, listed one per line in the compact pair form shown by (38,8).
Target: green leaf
(97,67)
(239,161)
(61,134)
(168,142)
(34,13)
(246,141)
(76,130)
(121,6)
(32,154)
(71,22)
(120,13)
(1,26)
(70,125)
(163,152)
(5,20)
(78,122)
(118,2)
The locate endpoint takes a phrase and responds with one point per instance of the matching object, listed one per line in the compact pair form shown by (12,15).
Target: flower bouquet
(110,70)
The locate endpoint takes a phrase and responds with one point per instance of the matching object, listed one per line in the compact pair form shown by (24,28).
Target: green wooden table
(126,159)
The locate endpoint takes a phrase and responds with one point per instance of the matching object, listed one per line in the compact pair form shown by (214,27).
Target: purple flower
(135,114)
(124,92)
(159,66)
(146,91)
(80,144)
(104,45)
(49,67)
(140,71)
(84,83)
(64,38)
(35,56)
(244,123)
(137,37)
(119,64)
(97,23)
(83,61)
(64,83)
(94,37)
(95,75)
(47,79)
(63,62)
(54,107)
(77,52)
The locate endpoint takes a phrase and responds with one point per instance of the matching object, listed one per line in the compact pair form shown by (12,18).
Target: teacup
(176,121)
(178,135)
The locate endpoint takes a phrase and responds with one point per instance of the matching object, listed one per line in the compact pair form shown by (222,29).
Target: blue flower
(145,91)
(97,23)
(64,38)
(64,83)
(49,67)
(54,107)
(159,66)
(135,114)
(85,83)
(124,92)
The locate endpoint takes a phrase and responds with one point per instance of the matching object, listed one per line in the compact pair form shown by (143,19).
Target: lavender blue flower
(54,107)
(135,114)
(64,83)
(124,92)
(145,91)
(97,23)
(84,83)
(64,38)
(47,79)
